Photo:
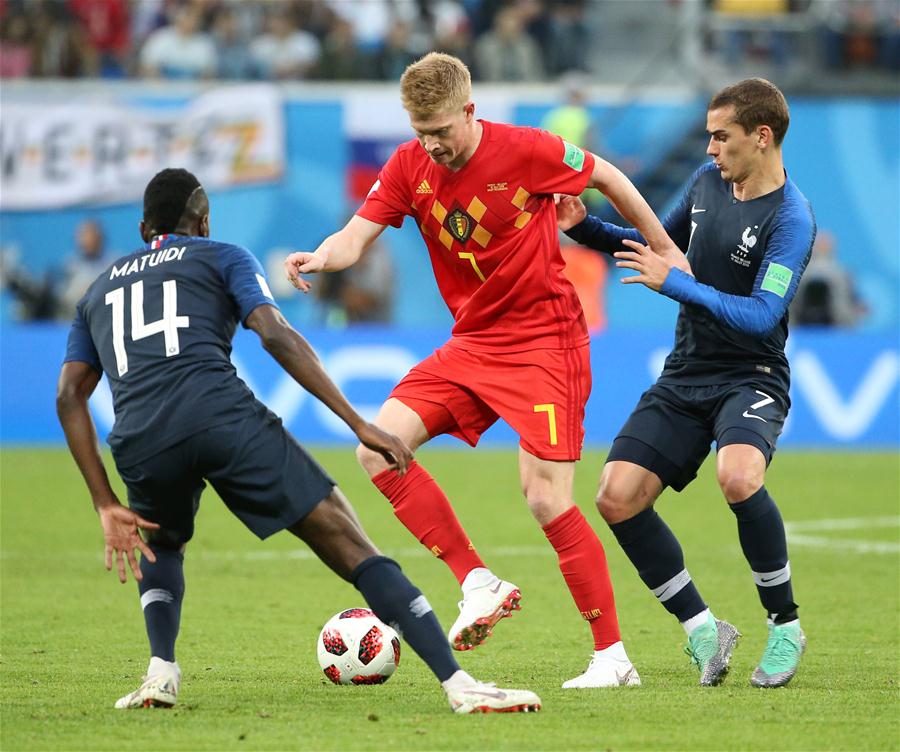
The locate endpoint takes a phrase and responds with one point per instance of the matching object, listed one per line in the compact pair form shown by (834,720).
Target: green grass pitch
(73,640)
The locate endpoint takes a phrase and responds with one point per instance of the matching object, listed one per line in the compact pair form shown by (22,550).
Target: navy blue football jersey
(159,323)
(747,258)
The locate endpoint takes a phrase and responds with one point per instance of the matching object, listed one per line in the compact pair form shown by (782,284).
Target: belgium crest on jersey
(459,225)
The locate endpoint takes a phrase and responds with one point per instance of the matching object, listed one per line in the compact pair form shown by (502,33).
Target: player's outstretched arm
(756,314)
(336,252)
(77,382)
(298,358)
(626,199)
(652,269)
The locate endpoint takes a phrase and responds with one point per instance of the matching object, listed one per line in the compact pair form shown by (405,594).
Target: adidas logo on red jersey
(424,187)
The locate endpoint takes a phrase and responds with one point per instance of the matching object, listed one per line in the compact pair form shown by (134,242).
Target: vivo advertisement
(845,391)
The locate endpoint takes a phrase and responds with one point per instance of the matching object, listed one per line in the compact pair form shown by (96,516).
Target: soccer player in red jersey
(482,194)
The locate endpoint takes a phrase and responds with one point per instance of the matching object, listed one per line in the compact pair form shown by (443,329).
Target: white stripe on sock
(154,595)
(771,579)
(420,606)
(671,588)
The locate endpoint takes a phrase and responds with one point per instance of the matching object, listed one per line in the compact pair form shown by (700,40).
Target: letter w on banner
(62,153)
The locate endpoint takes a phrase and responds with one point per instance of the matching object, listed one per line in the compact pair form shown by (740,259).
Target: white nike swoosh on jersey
(748,415)
(695,210)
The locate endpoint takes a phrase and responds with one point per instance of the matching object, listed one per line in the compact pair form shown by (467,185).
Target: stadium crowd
(289,40)
(500,40)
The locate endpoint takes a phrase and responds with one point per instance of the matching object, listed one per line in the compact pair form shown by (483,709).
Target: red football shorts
(540,393)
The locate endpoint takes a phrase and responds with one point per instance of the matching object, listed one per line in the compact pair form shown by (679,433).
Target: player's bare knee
(545,507)
(738,483)
(614,502)
(372,462)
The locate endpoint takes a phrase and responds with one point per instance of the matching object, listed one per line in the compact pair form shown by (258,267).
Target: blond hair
(435,84)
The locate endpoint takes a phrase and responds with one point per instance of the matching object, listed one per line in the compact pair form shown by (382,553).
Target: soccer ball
(355,647)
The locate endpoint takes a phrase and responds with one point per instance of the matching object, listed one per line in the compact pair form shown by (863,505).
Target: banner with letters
(845,390)
(62,153)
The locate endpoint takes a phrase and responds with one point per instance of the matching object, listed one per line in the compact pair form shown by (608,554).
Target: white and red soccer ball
(355,647)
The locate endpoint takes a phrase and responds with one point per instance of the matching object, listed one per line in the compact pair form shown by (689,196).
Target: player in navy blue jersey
(159,323)
(746,232)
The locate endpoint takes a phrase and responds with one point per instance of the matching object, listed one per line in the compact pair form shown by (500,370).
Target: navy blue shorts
(672,427)
(261,472)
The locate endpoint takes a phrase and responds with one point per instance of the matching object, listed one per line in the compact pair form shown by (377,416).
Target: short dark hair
(166,196)
(756,102)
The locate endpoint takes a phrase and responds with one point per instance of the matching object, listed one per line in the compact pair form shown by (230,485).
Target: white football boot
(159,690)
(608,668)
(481,608)
(469,696)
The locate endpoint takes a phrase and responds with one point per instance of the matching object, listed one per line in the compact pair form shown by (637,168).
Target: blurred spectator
(484,12)
(368,22)
(180,50)
(234,60)
(860,33)
(362,293)
(316,16)
(85,265)
(51,295)
(397,53)
(459,45)
(106,26)
(826,295)
(771,42)
(284,51)
(437,20)
(146,17)
(341,59)
(35,296)
(450,28)
(63,49)
(17,54)
(507,52)
(566,37)
(172,38)
(571,120)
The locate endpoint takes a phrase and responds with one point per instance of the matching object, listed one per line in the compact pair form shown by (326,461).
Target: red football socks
(582,562)
(421,505)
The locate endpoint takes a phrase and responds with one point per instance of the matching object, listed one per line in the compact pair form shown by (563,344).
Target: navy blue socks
(656,554)
(162,590)
(396,601)
(761,532)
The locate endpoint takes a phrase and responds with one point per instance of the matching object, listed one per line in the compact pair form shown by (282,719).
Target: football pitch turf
(73,638)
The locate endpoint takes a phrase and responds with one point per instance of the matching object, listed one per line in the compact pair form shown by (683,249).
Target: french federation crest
(459,225)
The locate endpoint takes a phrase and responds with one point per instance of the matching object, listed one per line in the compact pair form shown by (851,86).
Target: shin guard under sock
(396,601)
(582,562)
(421,505)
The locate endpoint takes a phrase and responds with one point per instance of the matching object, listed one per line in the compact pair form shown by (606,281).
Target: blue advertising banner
(845,393)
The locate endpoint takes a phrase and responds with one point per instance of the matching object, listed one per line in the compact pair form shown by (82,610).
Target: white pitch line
(846,523)
(796,534)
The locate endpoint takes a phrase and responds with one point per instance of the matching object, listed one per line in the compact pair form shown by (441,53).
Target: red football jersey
(490,228)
